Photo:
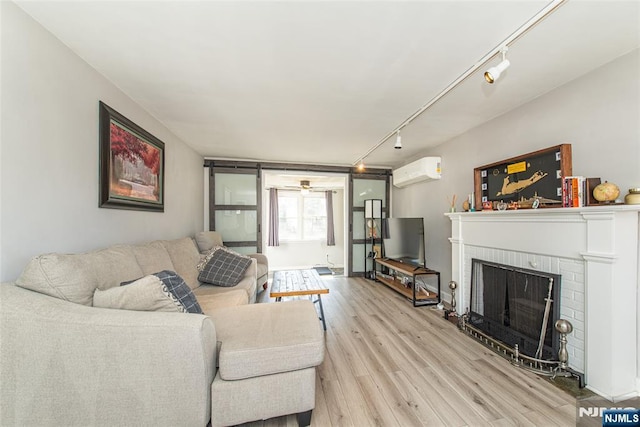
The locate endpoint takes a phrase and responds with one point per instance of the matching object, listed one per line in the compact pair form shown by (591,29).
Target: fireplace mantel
(595,249)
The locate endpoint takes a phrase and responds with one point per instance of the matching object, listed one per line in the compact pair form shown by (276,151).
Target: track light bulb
(493,73)
(361,166)
(398,142)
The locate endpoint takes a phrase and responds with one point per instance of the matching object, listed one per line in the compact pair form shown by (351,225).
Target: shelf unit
(372,233)
(419,297)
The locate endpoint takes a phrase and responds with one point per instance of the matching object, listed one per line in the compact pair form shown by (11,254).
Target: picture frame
(536,175)
(131,164)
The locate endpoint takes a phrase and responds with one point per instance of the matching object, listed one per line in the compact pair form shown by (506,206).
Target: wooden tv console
(418,297)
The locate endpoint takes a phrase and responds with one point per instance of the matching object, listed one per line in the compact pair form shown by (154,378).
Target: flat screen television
(404,240)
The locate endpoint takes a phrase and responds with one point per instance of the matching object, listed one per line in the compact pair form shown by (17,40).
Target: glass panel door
(364,187)
(234,207)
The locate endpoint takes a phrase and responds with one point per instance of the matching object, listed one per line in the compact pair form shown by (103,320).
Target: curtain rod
(298,189)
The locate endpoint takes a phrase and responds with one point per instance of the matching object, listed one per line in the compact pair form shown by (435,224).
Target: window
(302,216)
(288,216)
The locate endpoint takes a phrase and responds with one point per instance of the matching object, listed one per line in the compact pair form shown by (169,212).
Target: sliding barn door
(363,186)
(235,207)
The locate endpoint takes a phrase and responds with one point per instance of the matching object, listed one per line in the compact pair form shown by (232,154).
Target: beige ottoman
(267,354)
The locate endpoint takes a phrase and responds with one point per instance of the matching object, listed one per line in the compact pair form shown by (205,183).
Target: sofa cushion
(223,267)
(75,277)
(185,257)
(152,257)
(215,301)
(162,291)
(264,339)
(208,240)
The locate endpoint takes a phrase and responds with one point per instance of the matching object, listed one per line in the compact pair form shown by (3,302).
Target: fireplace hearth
(516,306)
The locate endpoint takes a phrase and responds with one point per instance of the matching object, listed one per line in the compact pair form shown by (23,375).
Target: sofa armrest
(261,258)
(248,282)
(68,364)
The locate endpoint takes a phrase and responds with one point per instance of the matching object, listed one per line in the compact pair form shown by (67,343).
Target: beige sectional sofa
(65,362)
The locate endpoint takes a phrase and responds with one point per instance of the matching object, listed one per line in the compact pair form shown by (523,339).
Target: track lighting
(493,73)
(398,141)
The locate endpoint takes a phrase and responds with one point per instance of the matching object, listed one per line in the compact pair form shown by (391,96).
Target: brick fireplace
(595,250)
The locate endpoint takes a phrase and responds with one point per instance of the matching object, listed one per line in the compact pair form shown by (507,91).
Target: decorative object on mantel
(591,183)
(452,203)
(471,203)
(633,198)
(131,164)
(535,202)
(607,192)
(466,205)
(536,174)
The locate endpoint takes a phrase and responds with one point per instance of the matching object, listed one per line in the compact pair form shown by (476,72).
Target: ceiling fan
(305,187)
(305,184)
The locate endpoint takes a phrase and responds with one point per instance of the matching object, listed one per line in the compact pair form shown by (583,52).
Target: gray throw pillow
(223,267)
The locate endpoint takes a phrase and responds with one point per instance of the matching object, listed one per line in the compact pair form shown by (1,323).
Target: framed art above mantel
(131,164)
(533,175)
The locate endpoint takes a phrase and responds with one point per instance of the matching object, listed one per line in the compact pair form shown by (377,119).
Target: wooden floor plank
(327,371)
(416,400)
(381,412)
(345,373)
(320,415)
(454,379)
(391,364)
(336,404)
(351,357)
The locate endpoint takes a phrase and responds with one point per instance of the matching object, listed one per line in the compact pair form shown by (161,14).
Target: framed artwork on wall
(131,164)
(537,175)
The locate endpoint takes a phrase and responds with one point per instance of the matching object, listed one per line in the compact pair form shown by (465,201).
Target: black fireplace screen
(511,305)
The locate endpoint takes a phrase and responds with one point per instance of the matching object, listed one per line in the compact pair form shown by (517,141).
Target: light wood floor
(390,364)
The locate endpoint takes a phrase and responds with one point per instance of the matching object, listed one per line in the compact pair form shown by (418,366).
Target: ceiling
(321,82)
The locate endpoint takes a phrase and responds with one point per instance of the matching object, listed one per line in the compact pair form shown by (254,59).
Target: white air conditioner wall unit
(426,168)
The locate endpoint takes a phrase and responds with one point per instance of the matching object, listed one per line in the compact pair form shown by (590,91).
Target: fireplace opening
(516,306)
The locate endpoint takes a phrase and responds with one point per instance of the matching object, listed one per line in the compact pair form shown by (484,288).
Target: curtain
(331,236)
(274,220)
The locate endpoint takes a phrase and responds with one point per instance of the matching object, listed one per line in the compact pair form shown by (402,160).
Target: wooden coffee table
(294,283)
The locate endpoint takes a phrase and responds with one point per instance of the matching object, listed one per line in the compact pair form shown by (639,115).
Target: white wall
(598,113)
(49,155)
